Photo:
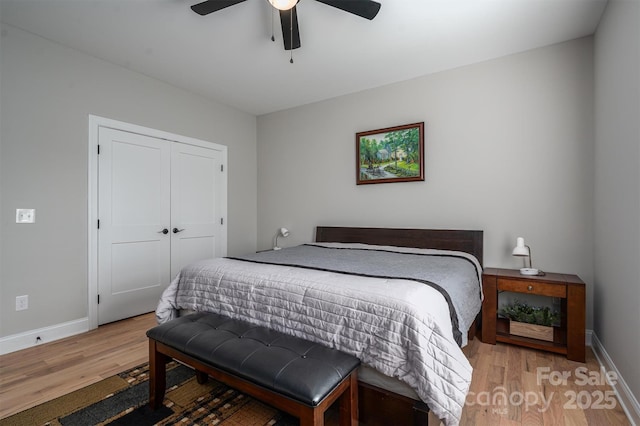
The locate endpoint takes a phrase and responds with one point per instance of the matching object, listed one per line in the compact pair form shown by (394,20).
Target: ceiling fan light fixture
(283,4)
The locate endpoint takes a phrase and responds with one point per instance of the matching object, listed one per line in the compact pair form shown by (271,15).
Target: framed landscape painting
(394,154)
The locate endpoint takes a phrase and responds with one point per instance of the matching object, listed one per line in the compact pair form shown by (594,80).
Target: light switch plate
(22,303)
(25,215)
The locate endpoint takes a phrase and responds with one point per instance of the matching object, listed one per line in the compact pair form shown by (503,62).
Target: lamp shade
(520,249)
(283,4)
(284,232)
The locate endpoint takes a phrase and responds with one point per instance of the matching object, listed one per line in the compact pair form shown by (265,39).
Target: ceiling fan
(367,9)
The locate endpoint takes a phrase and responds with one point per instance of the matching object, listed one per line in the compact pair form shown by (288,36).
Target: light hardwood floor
(501,372)
(44,372)
(520,386)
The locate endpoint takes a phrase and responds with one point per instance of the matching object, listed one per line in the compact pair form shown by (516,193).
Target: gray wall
(617,187)
(48,91)
(509,150)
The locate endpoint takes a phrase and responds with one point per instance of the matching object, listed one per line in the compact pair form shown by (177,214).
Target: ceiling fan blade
(290,32)
(364,8)
(209,6)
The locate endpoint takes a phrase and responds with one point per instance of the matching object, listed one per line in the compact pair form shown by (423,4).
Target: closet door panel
(195,205)
(133,208)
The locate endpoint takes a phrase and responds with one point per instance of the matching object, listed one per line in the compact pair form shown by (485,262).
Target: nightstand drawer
(533,287)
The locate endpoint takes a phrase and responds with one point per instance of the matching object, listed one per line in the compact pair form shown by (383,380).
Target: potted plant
(530,321)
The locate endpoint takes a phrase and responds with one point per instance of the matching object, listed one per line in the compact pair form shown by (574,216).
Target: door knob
(165,231)
(176,230)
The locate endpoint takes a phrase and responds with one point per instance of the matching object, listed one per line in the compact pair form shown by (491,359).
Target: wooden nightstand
(568,339)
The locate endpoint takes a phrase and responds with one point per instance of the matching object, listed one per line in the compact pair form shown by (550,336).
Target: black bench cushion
(294,367)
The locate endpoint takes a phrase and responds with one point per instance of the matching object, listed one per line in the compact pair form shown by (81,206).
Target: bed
(364,291)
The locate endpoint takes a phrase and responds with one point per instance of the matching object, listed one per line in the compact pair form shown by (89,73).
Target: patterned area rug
(123,400)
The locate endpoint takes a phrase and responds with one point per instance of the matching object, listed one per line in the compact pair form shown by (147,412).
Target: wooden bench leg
(157,375)
(312,417)
(348,407)
(201,377)
(349,403)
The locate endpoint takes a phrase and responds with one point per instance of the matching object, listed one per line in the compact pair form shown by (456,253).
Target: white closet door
(197,201)
(133,210)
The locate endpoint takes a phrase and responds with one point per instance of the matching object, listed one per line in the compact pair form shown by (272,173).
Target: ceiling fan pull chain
(273,37)
(291,36)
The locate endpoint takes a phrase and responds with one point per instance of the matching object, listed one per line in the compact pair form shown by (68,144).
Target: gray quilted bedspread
(394,308)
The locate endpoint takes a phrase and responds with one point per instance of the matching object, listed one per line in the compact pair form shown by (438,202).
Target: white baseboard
(19,341)
(628,401)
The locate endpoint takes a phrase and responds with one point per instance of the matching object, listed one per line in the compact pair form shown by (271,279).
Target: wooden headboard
(444,239)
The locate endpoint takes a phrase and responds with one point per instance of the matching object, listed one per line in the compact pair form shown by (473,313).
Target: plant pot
(533,331)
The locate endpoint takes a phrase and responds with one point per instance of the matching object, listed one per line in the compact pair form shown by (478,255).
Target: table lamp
(522,250)
(283,232)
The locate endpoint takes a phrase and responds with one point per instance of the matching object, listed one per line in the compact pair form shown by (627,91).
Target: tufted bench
(294,375)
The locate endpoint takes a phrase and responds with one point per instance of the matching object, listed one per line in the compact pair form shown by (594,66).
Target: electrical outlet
(22,303)
(25,215)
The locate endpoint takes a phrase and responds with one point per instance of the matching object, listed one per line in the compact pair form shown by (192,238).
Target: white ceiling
(228,55)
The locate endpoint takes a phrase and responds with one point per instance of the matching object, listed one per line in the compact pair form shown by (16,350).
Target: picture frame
(392,154)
